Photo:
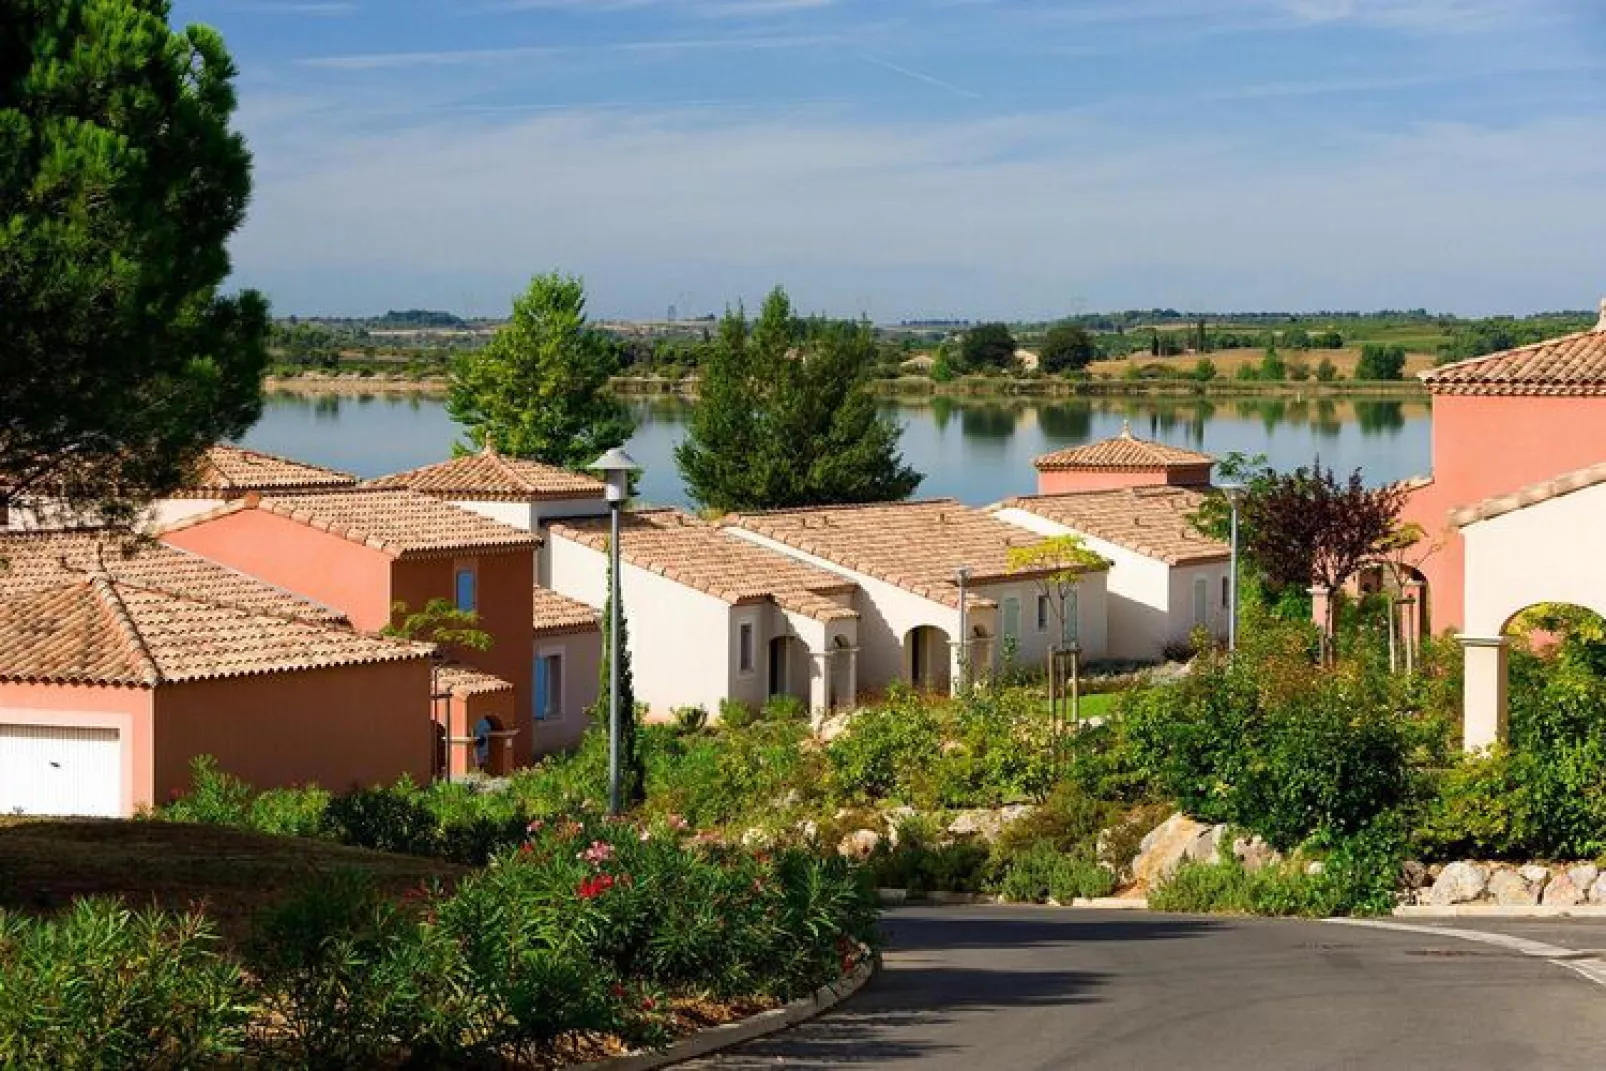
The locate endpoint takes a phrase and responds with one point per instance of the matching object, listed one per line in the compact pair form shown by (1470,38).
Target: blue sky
(923,158)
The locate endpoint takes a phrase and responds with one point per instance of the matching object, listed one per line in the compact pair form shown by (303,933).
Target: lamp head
(1232,491)
(615,467)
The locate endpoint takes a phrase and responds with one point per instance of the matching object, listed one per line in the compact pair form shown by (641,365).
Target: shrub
(922,862)
(786,708)
(104,987)
(386,819)
(216,798)
(889,751)
(1042,872)
(1069,821)
(735,714)
(1480,807)
(690,719)
(290,812)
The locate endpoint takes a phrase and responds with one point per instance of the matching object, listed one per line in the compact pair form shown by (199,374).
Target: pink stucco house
(1501,423)
(1119,462)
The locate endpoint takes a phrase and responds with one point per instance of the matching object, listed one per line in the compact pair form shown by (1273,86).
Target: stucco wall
(1057,482)
(341,727)
(582,666)
(1549,552)
(682,641)
(1537,439)
(348,576)
(128,710)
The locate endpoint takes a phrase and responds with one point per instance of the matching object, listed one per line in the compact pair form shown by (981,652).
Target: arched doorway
(841,674)
(489,749)
(927,660)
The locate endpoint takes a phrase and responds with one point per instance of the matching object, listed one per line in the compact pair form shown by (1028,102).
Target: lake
(977,452)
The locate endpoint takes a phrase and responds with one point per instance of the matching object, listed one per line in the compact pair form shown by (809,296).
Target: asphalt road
(984,988)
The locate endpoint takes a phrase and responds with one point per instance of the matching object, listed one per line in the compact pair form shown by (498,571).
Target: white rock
(809,829)
(1510,889)
(1459,883)
(1584,876)
(1597,891)
(1562,892)
(757,838)
(1315,867)
(1413,875)
(1206,847)
(1253,853)
(1534,874)
(859,844)
(1163,850)
(895,817)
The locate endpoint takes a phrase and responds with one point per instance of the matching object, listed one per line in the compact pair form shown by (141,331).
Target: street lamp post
(615,467)
(1233,491)
(962,577)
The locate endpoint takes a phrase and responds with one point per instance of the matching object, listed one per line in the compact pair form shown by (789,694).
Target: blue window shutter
(540,689)
(465,590)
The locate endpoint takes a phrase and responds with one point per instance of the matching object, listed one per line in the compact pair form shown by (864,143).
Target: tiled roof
(97,630)
(33,560)
(1122,452)
(915,545)
(1531,495)
(457,679)
(1571,365)
(1151,521)
(403,524)
(556,615)
(230,471)
(492,477)
(682,548)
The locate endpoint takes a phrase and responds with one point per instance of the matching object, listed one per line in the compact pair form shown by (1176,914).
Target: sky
(917,159)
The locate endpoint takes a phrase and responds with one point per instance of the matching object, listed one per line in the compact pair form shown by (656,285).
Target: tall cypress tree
(632,766)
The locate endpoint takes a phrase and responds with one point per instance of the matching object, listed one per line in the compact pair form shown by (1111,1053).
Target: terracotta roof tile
(33,560)
(1152,521)
(1122,452)
(97,630)
(228,471)
(403,524)
(492,477)
(1573,365)
(458,679)
(914,545)
(1532,495)
(688,551)
(557,615)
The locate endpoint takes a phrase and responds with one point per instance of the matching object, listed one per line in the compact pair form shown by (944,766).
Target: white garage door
(53,769)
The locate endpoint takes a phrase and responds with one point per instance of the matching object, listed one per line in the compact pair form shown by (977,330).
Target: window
(1011,619)
(464,589)
(1201,602)
(1226,592)
(744,647)
(549,687)
(1042,613)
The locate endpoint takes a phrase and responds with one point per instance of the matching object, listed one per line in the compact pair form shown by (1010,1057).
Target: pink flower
(535,826)
(678,824)
(646,835)
(599,852)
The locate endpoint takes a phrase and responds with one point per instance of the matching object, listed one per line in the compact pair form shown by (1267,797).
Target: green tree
(1273,368)
(1204,370)
(1326,371)
(120,184)
(1380,362)
(787,420)
(1067,347)
(632,763)
(987,346)
(539,388)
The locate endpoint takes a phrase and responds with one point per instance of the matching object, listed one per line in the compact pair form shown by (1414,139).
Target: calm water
(976,452)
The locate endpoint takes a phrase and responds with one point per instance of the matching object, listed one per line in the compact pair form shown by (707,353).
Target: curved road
(984,988)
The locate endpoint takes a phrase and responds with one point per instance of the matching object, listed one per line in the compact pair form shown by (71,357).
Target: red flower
(617,990)
(648,1004)
(593,887)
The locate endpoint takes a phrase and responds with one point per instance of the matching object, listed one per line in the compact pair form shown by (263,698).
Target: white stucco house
(905,559)
(711,616)
(1541,544)
(1165,580)
(224,474)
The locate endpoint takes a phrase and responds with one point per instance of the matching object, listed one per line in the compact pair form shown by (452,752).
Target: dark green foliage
(785,417)
(1273,368)
(120,185)
(1042,873)
(539,389)
(1204,370)
(106,987)
(1380,362)
(987,347)
(1067,348)
(1326,371)
(388,820)
(632,769)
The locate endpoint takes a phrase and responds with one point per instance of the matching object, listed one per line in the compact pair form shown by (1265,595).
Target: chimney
(1600,325)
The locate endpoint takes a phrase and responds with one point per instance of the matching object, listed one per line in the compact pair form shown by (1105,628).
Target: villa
(117,670)
(1166,580)
(1122,461)
(711,617)
(906,559)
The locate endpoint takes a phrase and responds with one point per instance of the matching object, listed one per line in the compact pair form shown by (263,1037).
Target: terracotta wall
(128,710)
(1068,481)
(504,590)
(1487,446)
(348,576)
(341,727)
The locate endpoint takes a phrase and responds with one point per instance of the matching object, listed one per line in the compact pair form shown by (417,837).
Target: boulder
(859,844)
(1164,848)
(1510,888)
(1535,874)
(895,817)
(987,824)
(1459,883)
(1562,891)
(1413,875)
(1585,876)
(1206,847)
(1315,867)
(1597,891)
(1253,853)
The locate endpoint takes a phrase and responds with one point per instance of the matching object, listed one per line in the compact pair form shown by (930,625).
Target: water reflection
(989,459)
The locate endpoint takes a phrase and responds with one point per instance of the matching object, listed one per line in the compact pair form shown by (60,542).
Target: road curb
(717,1038)
(1499,911)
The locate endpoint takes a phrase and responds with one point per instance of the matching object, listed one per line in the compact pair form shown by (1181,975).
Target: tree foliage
(1380,362)
(539,389)
(438,622)
(1067,348)
(632,763)
(785,417)
(120,184)
(987,346)
(1060,563)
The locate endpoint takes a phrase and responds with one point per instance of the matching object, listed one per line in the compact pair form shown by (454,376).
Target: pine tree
(632,765)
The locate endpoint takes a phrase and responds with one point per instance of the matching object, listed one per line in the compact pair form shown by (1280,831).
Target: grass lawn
(46,863)
(1094,706)
(1227,362)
